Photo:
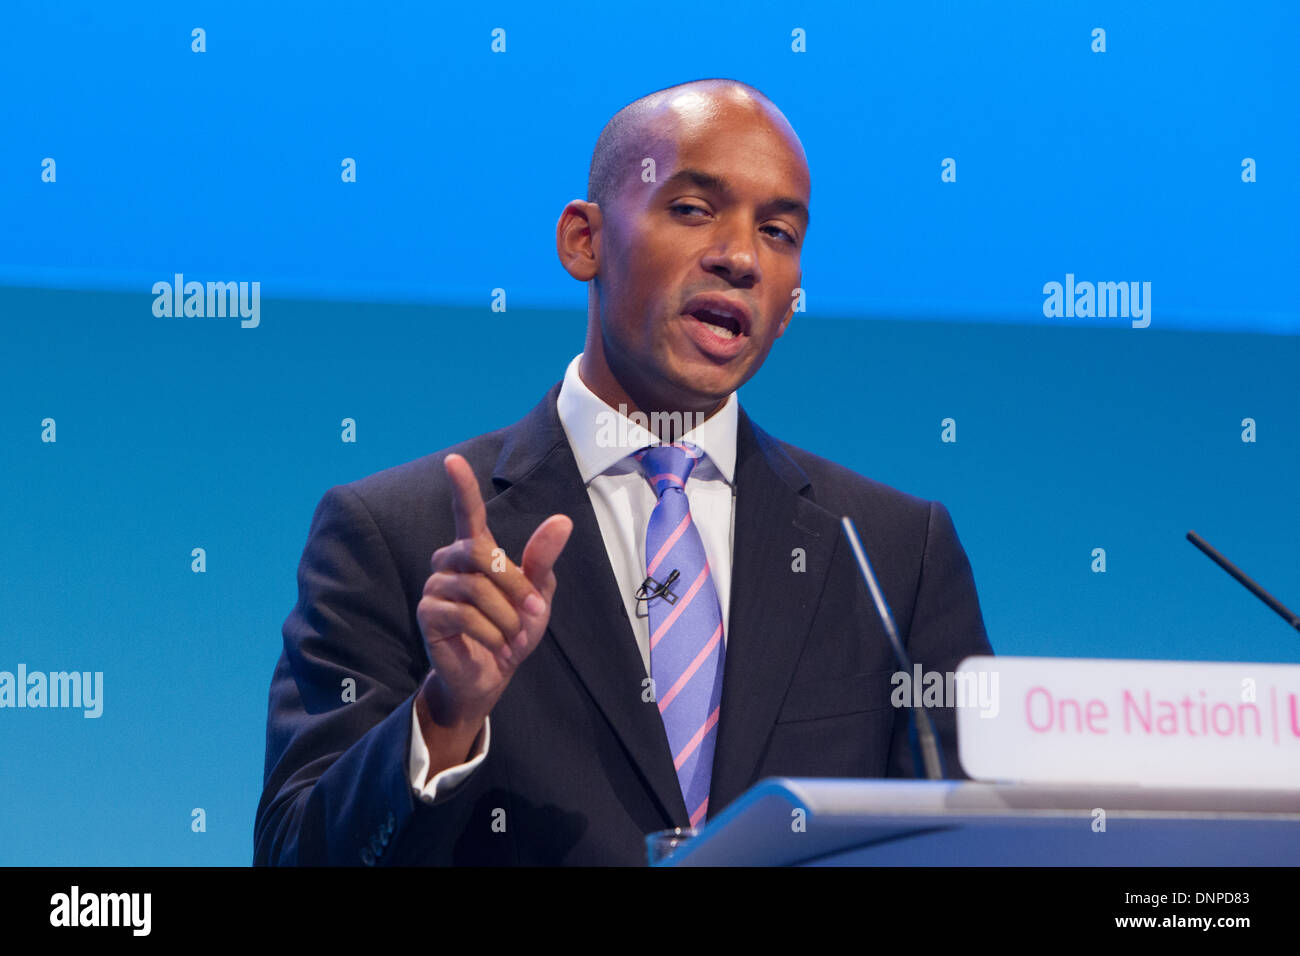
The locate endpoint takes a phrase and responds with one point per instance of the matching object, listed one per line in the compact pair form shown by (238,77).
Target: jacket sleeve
(338,736)
(946,627)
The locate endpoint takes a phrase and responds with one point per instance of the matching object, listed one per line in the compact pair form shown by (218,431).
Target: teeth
(718,327)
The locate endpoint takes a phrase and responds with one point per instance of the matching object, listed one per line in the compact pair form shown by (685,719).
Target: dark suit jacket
(579,767)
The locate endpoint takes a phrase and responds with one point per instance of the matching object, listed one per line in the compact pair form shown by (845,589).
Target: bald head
(649,126)
(715,234)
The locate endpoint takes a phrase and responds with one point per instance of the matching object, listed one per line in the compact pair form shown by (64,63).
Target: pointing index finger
(466,501)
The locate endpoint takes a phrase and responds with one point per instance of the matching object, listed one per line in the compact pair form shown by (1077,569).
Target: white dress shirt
(602,440)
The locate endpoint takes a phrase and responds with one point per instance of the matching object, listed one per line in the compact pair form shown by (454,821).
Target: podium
(855,822)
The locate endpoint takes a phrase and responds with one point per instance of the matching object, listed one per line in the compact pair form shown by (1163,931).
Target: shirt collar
(601,436)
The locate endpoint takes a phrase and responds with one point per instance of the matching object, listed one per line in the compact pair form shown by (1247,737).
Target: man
(685,618)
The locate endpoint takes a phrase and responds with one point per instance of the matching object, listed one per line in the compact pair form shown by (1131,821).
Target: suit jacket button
(367,857)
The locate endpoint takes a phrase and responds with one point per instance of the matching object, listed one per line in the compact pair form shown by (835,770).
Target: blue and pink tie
(686,647)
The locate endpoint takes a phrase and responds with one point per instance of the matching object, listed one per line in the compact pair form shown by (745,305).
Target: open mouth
(722,325)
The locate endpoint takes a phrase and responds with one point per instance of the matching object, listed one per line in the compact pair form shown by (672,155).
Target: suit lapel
(775,591)
(539,477)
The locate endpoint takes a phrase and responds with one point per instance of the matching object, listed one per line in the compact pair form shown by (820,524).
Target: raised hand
(481,616)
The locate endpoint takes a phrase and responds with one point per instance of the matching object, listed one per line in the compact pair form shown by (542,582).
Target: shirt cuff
(443,783)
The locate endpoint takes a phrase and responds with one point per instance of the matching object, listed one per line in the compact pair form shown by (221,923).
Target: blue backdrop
(925,302)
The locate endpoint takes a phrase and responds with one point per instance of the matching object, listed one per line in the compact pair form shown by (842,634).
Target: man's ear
(577,239)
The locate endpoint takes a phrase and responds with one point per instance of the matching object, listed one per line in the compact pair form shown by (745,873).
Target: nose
(734,253)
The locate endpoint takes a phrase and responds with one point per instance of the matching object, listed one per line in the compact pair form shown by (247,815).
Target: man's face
(697,270)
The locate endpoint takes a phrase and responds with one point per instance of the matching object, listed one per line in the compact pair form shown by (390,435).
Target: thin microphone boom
(1240,575)
(921,730)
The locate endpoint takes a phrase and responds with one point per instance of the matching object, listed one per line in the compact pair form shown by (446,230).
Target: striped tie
(686,647)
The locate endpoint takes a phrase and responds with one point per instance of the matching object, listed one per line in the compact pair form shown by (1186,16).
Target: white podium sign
(1142,723)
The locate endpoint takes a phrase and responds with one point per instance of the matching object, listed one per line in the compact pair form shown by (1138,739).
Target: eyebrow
(711,181)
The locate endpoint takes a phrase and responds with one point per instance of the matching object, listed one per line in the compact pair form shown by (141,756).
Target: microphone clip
(651,589)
